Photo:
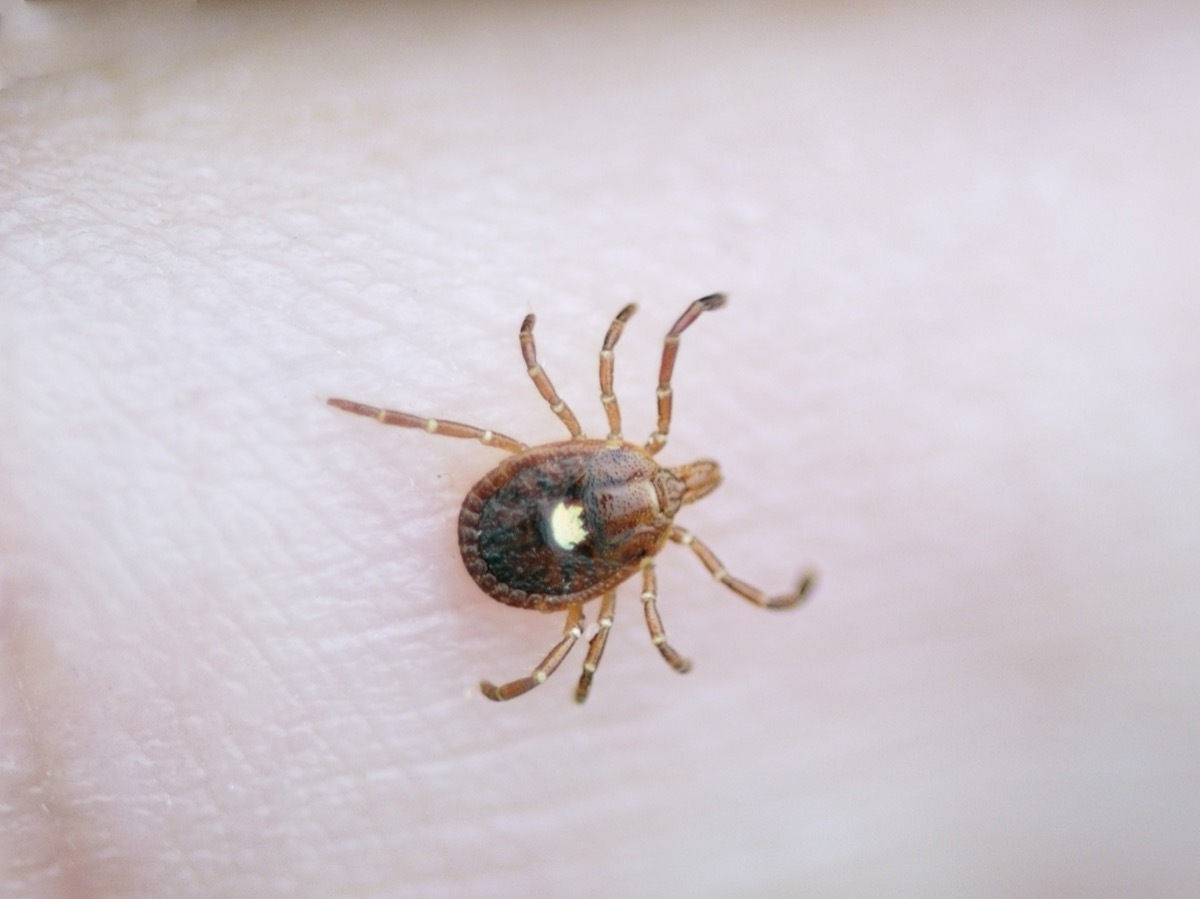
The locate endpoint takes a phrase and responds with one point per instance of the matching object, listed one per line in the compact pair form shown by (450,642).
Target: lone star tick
(556,525)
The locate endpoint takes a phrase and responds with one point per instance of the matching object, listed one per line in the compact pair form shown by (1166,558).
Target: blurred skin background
(957,374)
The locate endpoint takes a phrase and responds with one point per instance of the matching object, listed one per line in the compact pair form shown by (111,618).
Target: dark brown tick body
(556,525)
(561,523)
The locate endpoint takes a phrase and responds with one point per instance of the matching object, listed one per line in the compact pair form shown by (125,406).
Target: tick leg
(545,388)
(657,635)
(607,397)
(432,425)
(571,633)
(608,606)
(741,588)
(670,348)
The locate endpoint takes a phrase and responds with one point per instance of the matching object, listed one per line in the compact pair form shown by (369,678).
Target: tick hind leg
(432,425)
(596,648)
(670,348)
(571,633)
(741,588)
(540,380)
(658,636)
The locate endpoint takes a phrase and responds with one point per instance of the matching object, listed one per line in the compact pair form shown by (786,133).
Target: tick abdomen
(564,522)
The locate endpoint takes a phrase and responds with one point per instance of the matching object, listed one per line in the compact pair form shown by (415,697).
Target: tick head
(699,479)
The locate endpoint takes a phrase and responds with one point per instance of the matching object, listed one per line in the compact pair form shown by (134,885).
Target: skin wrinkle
(244,631)
(49,814)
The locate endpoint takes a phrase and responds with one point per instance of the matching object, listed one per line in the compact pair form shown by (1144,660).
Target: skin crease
(957,374)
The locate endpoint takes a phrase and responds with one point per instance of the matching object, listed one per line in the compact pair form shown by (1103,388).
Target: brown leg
(607,397)
(545,388)
(741,588)
(571,633)
(670,347)
(432,425)
(608,606)
(657,635)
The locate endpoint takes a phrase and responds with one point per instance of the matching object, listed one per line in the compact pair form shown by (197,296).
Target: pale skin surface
(957,373)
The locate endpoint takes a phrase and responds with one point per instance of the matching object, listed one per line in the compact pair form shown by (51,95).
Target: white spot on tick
(566,525)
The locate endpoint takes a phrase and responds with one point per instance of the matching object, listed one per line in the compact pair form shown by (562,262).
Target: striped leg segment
(670,348)
(596,648)
(542,382)
(572,632)
(607,397)
(432,425)
(658,636)
(741,588)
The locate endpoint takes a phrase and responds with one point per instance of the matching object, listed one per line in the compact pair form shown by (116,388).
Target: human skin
(957,374)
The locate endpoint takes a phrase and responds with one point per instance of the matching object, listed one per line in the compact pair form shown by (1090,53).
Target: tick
(554,526)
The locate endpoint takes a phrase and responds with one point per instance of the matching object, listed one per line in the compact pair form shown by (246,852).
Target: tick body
(557,525)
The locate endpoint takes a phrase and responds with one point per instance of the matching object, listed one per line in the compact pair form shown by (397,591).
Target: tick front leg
(658,636)
(432,425)
(542,382)
(607,398)
(741,588)
(608,607)
(670,348)
(571,633)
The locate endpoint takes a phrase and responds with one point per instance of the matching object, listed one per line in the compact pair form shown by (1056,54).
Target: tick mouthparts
(699,479)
